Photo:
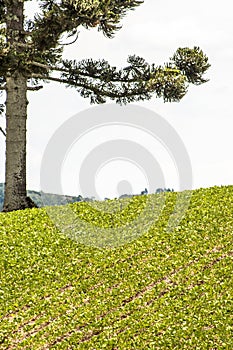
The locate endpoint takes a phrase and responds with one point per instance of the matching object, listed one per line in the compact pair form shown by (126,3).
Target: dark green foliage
(2,10)
(139,80)
(105,14)
(192,63)
(41,54)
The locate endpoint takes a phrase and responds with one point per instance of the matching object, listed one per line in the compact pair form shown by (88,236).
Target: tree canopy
(39,54)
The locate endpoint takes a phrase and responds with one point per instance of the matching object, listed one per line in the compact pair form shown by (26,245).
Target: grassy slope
(162,291)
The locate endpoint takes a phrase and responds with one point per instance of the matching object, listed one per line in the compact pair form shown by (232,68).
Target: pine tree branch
(99,70)
(72,42)
(57,19)
(2,131)
(25,45)
(34,88)
(138,81)
(44,77)
(93,88)
(47,67)
(80,72)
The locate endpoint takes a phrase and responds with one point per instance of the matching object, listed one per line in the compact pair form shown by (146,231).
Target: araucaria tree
(31,54)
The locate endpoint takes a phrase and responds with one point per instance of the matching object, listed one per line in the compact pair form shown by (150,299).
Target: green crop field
(162,290)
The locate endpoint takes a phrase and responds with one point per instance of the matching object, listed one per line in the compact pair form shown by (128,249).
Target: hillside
(42,199)
(164,290)
(45,198)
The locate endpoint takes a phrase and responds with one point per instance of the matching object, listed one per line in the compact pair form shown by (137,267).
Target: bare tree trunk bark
(15,197)
(16,116)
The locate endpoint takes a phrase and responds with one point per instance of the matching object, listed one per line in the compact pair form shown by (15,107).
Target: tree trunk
(16,116)
(15,197)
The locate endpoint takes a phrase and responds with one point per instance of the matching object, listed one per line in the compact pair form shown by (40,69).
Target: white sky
(203,118)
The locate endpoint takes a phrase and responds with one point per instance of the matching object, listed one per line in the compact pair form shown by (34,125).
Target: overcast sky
(203,118)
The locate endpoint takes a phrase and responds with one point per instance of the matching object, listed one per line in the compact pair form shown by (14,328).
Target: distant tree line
(49,199)
(145,192)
